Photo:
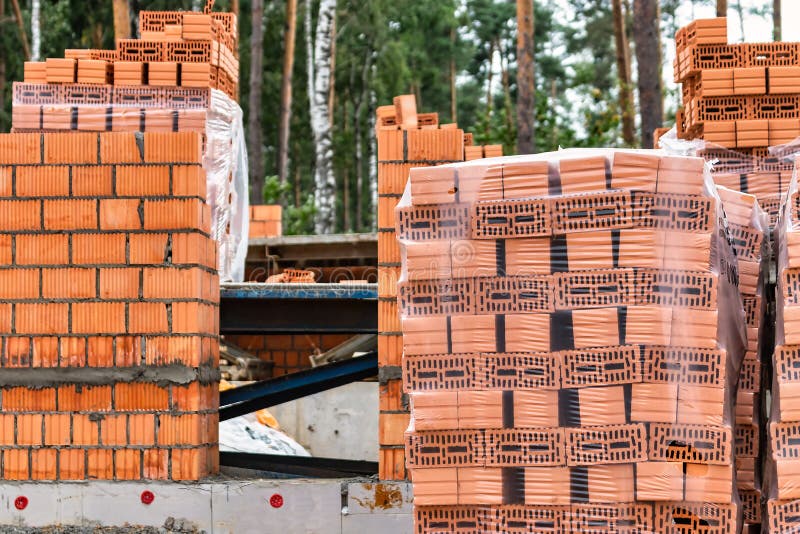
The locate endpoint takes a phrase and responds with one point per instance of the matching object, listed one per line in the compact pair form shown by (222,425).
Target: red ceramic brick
(163,73)
(60,70)
(187,464)
(128,351)
(137,396)
(94,249)
(100,464)
(171,283)
(70,148)
(17,352)
(84,399)
(91,180)
(98,318)
(69,283)
(140,181)
(148,318)
(57,429)
(179,429)
(174,214)
(148,249)
(193,318)
(119,147)
(114,430)
(187,398)
(85,430)
(188,181)
(119,284)
(5,318)
(70,214)
(19,215)
(19,284)
(42,181)
(71,464)
(167,350)
(142,429)
(5,249)
(127,464)
(47,249)
(6,429)
(20,148)
(100,351)
(42,318)
(184,147)
(15,464)
(29,429)
(73,352)
(155,464)
(21,399)
(120,214)
(6,181)
(45,351)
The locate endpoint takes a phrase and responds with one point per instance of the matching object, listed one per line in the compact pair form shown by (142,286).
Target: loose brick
(179,429)
(100,352)
(127,464)
(114,430)
(70,148)
(102,249)
(73,352)
(38,318)
(156,464)
(19,284)
(120,214)
(140,396)
(43,181)
(69,283)
(84,398)
(29,429)
(100,464)
(148,249)
(92,181)
(42,249)
(57,429)
(71,464)
(70,215)
(142,429)
(188,181)
(45,352)
(85,430)
(43,464)
(148,318)
(143,181)
(119,283)
(98,318)
(20,215)
(15,464)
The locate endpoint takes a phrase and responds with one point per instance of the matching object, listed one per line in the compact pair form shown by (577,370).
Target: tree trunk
(254,130)
(623,74)
(290,34)
(235,7)
(526,89)
(490,80)
(332,84)
(740,12)
(122,20)
(3,127)
(507,107)
(36,30)
(646,34)
(23,35)
(453,92)
(324,179)
(776,21)
(722,8)
(359,113)
(372,208)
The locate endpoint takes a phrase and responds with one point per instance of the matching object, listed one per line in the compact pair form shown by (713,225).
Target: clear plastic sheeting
(573,334)
(225,161)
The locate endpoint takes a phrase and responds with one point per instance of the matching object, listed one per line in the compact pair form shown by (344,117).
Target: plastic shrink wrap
(573,335)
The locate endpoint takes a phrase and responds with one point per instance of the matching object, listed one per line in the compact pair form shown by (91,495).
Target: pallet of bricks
(180,76)
(572,337)
(740,99)
(782,477)
(406,139)
(108,308)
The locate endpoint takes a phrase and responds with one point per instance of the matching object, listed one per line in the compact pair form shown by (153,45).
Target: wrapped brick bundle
(573,335)
(747,226)
(782,476)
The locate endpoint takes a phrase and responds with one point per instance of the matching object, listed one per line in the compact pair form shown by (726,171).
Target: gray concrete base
(239,506)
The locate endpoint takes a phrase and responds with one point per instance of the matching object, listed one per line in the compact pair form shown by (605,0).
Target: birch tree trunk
(359,113)
(36,30)
(254,132)
(324,179)
(777,22)
(526,89)
(3,127)
(722,8)
(647,36)
(623,74)
(290,33)
(372,208)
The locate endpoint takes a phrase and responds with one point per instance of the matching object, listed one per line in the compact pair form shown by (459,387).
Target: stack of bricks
(406,139)
(109,314)
(782,471)
(266,221)
(747,225)
(159,83)
(571,333)
(740,99)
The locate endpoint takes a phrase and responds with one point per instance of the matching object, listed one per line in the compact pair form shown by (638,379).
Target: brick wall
(109,314)
(289,353)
